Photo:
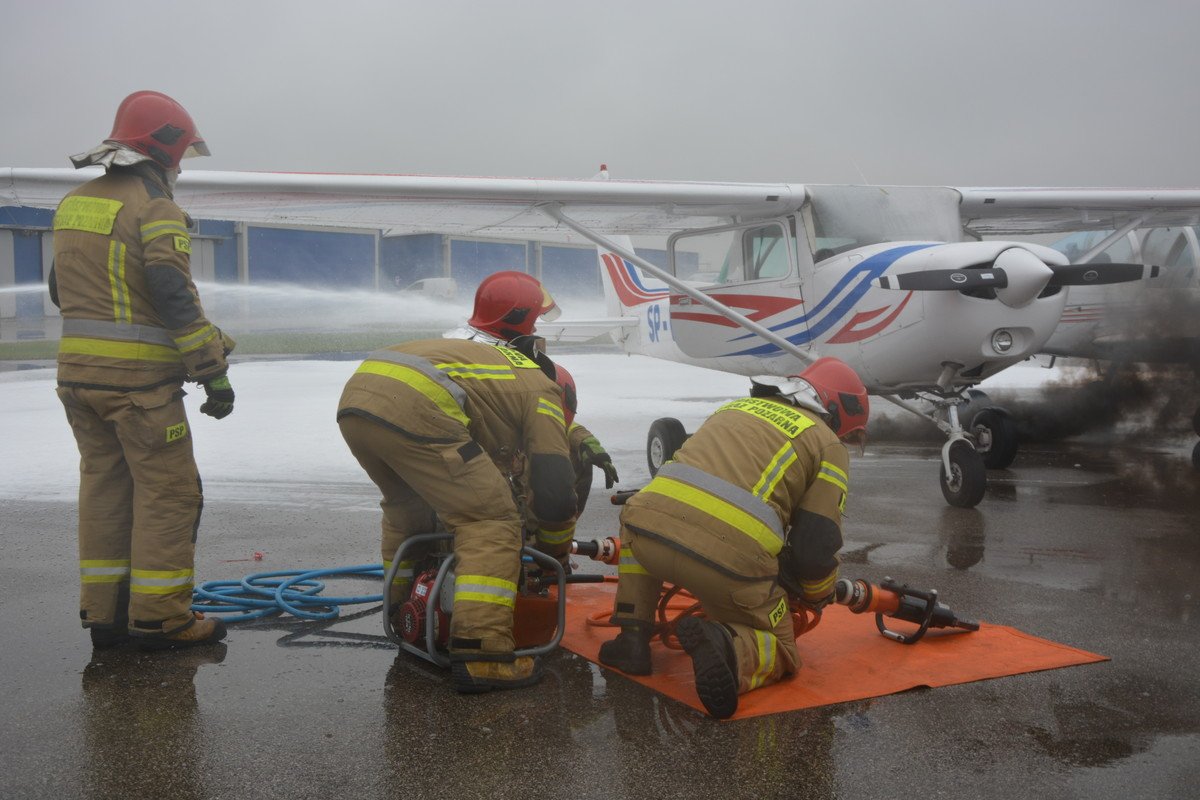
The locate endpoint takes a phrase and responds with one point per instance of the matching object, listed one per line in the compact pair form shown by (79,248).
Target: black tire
(964,487)
(666,436)
(995,437)
(1196,456)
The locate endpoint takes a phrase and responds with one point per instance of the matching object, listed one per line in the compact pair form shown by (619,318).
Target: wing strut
(554,211)
(1104,244)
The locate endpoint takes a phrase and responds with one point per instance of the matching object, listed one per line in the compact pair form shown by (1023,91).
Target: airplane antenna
(858,169)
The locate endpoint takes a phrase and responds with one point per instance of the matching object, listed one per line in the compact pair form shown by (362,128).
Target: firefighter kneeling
(747,514)
(433,422)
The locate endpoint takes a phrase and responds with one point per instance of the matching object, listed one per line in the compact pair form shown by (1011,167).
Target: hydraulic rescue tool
(899,601)
(422,624)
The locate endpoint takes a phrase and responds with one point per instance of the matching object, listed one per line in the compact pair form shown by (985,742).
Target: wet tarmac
(1087,545)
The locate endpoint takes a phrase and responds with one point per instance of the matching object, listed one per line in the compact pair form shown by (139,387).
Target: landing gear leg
(963,474)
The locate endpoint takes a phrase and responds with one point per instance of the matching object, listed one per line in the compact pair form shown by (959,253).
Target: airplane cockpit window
(765,253)
(847,217)
(1078,244)
(736,254)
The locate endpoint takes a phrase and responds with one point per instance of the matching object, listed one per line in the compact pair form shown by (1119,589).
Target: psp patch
(175,432)
(777,614)
(183,244)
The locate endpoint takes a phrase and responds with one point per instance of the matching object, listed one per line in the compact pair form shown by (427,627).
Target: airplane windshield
(846,217)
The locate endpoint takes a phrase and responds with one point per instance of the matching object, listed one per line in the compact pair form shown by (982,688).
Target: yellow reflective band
(103,570)
(88,214)
(404,571)
(162,574)
(551,410)
(131,351)
(196,340)
(549,536)
(163,227)
(484,589)
(155,581)
(821,588)
(116,281)
(766,658)
(718,508)
(483,372)
(829,472)
(422,383)
(629,565)
(775,471)
(789,421)
(516,358)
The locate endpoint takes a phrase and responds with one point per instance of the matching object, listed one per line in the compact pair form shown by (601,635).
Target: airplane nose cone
(1027,276)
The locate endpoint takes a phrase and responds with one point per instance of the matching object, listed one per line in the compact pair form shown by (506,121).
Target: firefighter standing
(436,424)
(747,515)
(133,331)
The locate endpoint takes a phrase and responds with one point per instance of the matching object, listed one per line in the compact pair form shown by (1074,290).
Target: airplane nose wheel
(666,436)
(964,485)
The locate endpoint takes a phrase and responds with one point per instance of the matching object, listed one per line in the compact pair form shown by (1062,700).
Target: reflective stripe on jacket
(121,276)
(731,493)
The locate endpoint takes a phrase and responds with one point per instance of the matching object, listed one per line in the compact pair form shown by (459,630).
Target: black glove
(592,452)
(220,398)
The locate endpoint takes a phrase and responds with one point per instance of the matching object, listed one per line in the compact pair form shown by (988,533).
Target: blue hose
(296,592)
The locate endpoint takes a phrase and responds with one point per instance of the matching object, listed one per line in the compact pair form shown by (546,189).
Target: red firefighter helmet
(508,304)
(830,387)
(154,124)
(570,397)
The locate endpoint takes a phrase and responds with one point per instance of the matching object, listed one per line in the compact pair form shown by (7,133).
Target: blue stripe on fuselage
(864,272)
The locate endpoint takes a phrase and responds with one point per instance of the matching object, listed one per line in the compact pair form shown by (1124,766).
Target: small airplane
(1136,322)
(762,277)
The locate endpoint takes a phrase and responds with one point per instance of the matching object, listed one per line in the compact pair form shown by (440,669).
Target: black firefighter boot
(116,633)
(630,651)
(714,663)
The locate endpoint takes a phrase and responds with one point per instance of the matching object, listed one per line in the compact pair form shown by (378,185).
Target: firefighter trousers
(755,612)
(139,507)
(422,481)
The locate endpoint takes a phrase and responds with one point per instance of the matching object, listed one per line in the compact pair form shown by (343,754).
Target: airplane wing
(408,204)
(1011,211)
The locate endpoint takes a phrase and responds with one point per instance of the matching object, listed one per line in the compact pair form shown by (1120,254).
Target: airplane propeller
(1017,276)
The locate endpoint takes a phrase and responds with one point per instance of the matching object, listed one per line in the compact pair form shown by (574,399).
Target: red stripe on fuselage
(848,334)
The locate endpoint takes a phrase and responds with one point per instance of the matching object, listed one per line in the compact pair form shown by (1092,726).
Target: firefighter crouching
(429,421)
(133,331)
(746,516)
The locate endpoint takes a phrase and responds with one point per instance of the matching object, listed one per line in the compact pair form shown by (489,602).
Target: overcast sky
(969,92)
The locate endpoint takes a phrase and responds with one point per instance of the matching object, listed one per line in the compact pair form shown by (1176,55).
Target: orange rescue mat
(842,659)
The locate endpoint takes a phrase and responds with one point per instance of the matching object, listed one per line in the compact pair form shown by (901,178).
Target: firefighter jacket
(756,492)
(131,314)
(431,390)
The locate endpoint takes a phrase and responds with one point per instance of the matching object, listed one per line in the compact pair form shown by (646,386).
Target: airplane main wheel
(666,436)
(964,486)
(995,437)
